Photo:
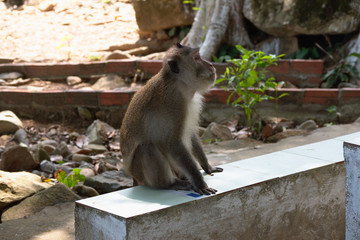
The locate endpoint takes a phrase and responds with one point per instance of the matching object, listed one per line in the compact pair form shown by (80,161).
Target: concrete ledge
(298,193)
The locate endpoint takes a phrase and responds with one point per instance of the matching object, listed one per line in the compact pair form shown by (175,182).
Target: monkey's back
(154,115)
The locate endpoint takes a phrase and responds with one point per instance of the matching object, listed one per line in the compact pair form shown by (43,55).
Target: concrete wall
(352,161)
(306,205)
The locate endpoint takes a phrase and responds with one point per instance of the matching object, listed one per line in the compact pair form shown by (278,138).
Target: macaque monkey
(158,136)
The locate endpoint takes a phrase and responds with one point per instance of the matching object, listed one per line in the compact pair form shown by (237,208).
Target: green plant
(225,53)
(192,2)
(95,58)
(248,82)
(66,45)
(305,53)
(342,72)
(72,179)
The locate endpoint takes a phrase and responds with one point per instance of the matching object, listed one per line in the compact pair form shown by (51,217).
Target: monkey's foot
(181,184)
(205,191)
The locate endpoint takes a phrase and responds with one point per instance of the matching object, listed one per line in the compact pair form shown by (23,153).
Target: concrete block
(294,194)
(352,162)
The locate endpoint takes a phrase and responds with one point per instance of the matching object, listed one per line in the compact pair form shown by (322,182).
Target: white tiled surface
(329,150)
(140,200)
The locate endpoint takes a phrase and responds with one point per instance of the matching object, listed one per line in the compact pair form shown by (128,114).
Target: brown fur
(158,136)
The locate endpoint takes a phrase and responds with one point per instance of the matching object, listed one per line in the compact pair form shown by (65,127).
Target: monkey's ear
(173,65)
(178,45)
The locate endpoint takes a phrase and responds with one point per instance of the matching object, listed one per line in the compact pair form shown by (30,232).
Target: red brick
(217,95)
(321,96)
(22,98)
(49,98)
(295,95)
(316,81)
(349,95)
(82,98)
(92,68)
(12,68)
(112,98)
(151,67)
(51,71)
(126,67)
(281,67)
(308,66)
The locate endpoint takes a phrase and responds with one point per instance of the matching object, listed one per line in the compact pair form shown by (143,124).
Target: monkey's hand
(209,169)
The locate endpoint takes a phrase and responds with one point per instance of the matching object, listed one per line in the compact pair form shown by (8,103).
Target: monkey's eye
(197,56)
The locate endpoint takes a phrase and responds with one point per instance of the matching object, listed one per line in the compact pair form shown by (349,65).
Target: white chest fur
(192,120)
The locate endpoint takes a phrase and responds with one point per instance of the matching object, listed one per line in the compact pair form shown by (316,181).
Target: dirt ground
(73,31)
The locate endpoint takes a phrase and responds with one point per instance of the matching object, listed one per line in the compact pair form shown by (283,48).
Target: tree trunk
(216,22)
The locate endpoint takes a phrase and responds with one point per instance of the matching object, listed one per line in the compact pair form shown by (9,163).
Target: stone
(87,172)
(104,166)
(109,181)
(86,165)
(216,131)
(73,80)
(58,193)
(40,153)
(308,125)
(84,113)
(118,54)
(109,82)
(48,148)
(216,112)
(17,158)
(19,185)
(85,191)
(76,157)
(63,150)
(11,75)
(96,148)
(50,167)
(287,18)
(285,45)
(47,166)
(98,132)
(20,136)
(5,60)
(47,5)
(154,15)
(9,122)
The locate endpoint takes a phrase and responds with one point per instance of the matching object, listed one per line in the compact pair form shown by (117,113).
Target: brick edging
(110,98)
(302,73)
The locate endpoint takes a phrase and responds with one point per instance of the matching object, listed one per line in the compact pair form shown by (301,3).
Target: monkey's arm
(188,166)
(201,157)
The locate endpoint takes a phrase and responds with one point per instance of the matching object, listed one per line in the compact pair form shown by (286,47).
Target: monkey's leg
(201,157)
(188,166)
(151,168)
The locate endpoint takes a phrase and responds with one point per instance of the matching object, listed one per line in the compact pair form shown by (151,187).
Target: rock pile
(46,153)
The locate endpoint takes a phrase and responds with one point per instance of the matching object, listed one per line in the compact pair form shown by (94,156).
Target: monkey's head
(186,64)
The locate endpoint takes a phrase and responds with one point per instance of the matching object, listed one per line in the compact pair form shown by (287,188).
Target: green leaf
(355,54)
(76,171)
(331,81)
(172,32)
